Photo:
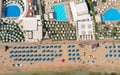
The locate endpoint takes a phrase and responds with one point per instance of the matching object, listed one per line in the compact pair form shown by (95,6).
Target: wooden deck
(30,9)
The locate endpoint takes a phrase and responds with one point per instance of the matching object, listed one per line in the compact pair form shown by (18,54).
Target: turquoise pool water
(59,12)
(12,11)
(112,14)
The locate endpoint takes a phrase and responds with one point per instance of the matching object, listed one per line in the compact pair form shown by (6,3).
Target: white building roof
(29,24)
(85,27)
(38,34)
(51,16)
(79,11)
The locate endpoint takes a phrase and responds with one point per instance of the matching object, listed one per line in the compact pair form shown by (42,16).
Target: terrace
(59,30)
(10,32)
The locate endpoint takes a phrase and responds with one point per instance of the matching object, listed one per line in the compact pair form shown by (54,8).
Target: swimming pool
(111,14)
(12,11)
(59,12)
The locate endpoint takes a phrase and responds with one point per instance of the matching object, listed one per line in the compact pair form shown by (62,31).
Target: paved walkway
(0,8)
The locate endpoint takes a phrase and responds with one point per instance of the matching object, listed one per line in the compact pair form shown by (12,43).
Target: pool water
(59,12)
(12,11)
(112,14)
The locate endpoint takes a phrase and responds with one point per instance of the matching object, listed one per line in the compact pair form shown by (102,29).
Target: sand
(101,64)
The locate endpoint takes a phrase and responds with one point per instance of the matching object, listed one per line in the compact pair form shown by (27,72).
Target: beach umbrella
(51,51)
(35,51)
(73,46)
(26,47)
(78,58)
(47,59)
(48,55)
(51,54)
(35,55)
(73,54)
(114,51)
(10,56)
(114,46)
(77,50)
(63,60)
(43,46)
(118,50)
(14,47)
(55,55)
(110,46)
(73,50)
(106,55)
(51,46)
(23,55)
(15,59)
(35,47)
(115,55)
(77,54)
(119,55)
(43,59)
(39,55)
(27,51)
(59,55)
(51,59)
(110,55)
(69,58)
(38,47)
(11,52)
(110,51)
(68,46)
(59,46)
(69,50)
(47,46)
(55,46)
(69,54)
(27,55)
(43,51)
(19,51)
(19,55)
(23,51)
(39,59)
(60,51)
(73,58)
(31,50)
(48,51)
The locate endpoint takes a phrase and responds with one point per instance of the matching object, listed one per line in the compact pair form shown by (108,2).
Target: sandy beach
(89,60)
